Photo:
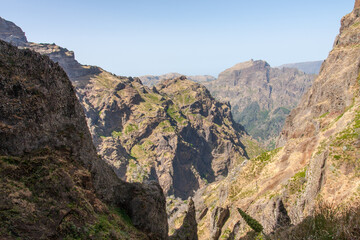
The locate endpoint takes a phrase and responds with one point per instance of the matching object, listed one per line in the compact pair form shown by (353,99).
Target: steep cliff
(11,33)
(176,133)
(261,97)
(53,184)
(317,164)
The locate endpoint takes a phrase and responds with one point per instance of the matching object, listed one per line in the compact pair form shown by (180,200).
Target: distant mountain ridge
(151,80)
(307,67)
(148,133)
(314,172)
(11,33)
(260,96)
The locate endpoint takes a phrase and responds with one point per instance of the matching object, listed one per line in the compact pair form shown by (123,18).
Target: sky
(192,37)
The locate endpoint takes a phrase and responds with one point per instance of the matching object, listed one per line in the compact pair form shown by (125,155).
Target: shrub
(255,225)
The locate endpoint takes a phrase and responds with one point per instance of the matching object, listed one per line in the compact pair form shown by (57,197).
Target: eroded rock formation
(50,170)
(261,97)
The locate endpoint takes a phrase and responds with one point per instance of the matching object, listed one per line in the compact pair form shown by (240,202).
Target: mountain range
(269,96)
(86,154)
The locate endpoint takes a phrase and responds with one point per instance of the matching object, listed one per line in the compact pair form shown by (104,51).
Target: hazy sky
(138,37)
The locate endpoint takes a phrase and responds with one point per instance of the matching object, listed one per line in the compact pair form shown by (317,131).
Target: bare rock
(357,4)
(217,220)
(44,131)
(188,230)
(11,33)
(270,93)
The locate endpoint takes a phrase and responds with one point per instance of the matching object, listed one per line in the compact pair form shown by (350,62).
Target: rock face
(357,4)
(217,221)
(188,230)
(176,133)
(306,67)
(328,95)
(150,80)
(318,156)
(65,58)
(49,167)
(11,33)
(261,97)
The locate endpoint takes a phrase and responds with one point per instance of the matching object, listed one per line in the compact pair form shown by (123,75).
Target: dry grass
(329,221)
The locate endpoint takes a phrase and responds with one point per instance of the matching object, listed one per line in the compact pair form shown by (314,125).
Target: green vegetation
(130,128)
(138,171)
(184,98)
(261,124)
(174,114)
(166,127)
(47,181)
(355,24)
(297,183)
(328,222)
(155,98)
(252,147)
(226,234)
(105,80)
(116,134)
(266,156)
(324,115)
(344,147)
(255,225)
(252,170)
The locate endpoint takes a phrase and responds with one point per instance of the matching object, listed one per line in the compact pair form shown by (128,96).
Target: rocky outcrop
(49,167)
(150,80)
(176,133)
(306,67)
(261,97)
(217,220)
(188,229)
(317,159)
(357,4)
(66,60)
(182,139)
(11,33)
(328,95)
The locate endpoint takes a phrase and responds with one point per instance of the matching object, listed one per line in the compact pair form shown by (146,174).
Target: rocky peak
(188,229)
(66,60)
(328,95)
(47,153)
(316,165)
(251,64)
(11,33)
(357,4)
(260,96)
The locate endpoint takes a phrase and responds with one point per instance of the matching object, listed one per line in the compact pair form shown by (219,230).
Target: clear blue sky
(138,37)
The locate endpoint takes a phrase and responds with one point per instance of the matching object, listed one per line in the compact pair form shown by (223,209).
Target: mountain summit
(12,33)
(261,97)
(313,175)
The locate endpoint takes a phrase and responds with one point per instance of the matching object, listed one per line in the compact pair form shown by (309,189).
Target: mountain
(53,184)
(307,188)
(174,133)
(12,33)
(150,80)
(306,67)
(261,97)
